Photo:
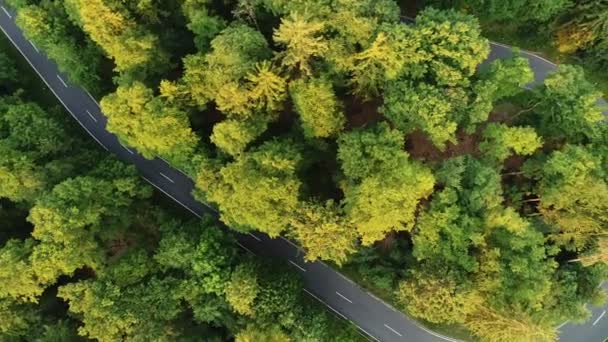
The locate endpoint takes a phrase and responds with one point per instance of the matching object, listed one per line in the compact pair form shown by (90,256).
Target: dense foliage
(577,29)
(376,145)
(87,253)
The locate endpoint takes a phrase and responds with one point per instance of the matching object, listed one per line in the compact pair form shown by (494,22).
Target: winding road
(374,318)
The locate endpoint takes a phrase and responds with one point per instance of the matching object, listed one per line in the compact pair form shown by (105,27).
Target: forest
(89,252)
(389,150)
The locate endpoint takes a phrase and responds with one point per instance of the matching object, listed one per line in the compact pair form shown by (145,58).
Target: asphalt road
(376,319)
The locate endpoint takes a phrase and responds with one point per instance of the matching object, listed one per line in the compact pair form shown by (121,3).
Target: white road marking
(129,150)
(561,325)
(173,198)
(6,12)
(329,306)
(598,319)
(245,248)
(290,242)
(368,334)
(91,116)
(92,98)
(343,297)
(34,46)
(255,237)
(51,88)
(298,266)
(393,330)
(62,81)
(167,177)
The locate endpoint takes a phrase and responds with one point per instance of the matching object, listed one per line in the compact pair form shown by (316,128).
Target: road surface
(376,319)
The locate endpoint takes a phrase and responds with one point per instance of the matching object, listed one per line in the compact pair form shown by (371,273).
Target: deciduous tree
(318,106)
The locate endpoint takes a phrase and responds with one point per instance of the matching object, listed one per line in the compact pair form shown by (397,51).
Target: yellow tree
(303,41)
(148,123)
(118,35)
(492,326)
(318,106)
(324,232)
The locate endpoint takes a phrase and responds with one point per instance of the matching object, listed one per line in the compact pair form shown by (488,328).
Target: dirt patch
(420,147)
(360,113)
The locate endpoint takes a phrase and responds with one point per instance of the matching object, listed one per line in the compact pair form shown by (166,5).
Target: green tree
(453,45)
(566,107)
(234,53)
(518,11)
(500,140)
(424,107)
(502,79)
(584,24)
(202,22)
(384,195)
(49,27)
(320,112)
(573,196)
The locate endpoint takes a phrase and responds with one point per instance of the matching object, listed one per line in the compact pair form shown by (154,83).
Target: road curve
(375,318)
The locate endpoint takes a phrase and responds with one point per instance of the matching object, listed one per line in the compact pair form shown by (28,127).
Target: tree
(78,213)
(199,249)
(202,22)
(233,136)
(423,107)
(566,106)
(383,195)
(320,112)
(32,129)
(453,45)
(500,140)
(437,300)
(502,79)
(453,227)
(8,73)
(49,27)
(138,312)
(242,290)
(493,326)
(234,53)
(516,270)
(518,11)
(323,231)
(21,180)
(19,283)
(573,196)
(301,37)
(267,87)
(586,23)
(385,59)
(253,334)
(279,298)
(364,152)
(149,124)
(130,45)
(260,189)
